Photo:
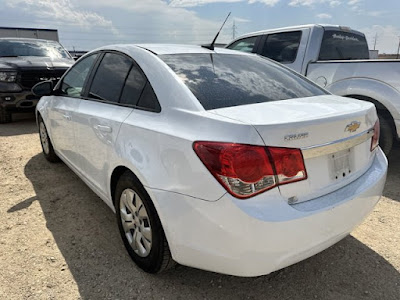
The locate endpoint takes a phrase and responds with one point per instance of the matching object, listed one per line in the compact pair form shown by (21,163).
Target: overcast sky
(87,24)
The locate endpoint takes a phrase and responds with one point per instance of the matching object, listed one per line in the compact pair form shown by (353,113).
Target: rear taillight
(375,137)
(246,170)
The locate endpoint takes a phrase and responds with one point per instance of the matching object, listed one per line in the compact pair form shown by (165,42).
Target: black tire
(386,137)
(48,153)
(5,116)
(159,257)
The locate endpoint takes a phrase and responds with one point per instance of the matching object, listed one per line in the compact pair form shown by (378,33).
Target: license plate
(341,164)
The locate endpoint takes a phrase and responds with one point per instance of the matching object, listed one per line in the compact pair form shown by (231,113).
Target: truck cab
(298,46)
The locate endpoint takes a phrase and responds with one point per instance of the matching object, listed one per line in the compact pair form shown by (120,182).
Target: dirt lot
(58,240)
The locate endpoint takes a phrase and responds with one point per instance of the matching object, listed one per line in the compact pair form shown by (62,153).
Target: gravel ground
(58,240)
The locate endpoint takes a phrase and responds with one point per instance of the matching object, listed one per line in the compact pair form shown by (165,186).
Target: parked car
(217,160)
(336,58)
(23,63)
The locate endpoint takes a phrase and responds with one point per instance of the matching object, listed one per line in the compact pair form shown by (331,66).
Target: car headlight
(8,76)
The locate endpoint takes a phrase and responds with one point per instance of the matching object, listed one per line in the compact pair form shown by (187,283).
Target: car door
(101,114)
(63,105)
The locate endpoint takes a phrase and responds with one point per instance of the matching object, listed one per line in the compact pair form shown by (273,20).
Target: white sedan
(217,160)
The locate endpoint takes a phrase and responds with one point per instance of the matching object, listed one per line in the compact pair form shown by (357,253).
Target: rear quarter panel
(158,148)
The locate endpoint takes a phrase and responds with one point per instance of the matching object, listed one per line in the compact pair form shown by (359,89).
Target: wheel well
(116,174)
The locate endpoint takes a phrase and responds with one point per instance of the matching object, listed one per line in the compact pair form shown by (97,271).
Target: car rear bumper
(263,234)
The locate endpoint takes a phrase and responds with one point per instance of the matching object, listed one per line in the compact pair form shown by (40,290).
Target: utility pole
(234,30)
(398,48)
(376,38)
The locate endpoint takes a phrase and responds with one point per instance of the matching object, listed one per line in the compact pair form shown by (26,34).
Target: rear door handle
(67,117)
(103,128)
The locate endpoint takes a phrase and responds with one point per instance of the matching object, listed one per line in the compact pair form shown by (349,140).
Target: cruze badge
(298,136)
(353,126)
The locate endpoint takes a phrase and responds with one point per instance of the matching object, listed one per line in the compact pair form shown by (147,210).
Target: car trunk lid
(334,134)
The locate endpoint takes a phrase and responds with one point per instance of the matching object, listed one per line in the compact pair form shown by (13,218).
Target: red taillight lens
(375,137)
(246,170)
(289,164)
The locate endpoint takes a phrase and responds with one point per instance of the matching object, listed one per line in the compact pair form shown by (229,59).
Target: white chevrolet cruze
(218,160)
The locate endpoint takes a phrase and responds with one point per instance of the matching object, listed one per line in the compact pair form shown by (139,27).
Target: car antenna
(211,46)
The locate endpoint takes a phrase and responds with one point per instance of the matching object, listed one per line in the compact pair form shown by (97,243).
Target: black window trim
(89,81)
(264,41)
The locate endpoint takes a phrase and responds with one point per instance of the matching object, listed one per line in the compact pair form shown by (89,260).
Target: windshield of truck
(14,48)
(224,80)
(339,45)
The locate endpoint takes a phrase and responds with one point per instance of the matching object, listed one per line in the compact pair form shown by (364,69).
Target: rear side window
(110,77)
(244,45)
(138,91)
(148,99)
(133,87)
(337,45)
(223,80)
(282,47)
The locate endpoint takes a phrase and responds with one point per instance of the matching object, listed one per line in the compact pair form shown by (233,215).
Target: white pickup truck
(337,58)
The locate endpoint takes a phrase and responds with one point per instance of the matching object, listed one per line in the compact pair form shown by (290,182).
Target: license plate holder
(341,164)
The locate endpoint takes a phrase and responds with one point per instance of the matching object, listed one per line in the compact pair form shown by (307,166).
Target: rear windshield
(337,45)
(223,80)
(12,48)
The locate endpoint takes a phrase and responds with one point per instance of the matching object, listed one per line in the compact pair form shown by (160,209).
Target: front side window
(74,80)
(337,45)
(223,80)
(110,77)
(244,45)
(282,47)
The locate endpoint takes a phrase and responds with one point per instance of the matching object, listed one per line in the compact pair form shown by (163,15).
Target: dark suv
(23,63)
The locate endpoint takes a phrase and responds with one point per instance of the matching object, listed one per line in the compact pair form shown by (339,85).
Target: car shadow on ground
(22,123)
(86,233)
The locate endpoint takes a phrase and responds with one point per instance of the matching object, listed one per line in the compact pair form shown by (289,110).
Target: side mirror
(44,88)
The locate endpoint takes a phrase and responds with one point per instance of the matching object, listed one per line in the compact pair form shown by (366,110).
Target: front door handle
(103,128)
(67,117)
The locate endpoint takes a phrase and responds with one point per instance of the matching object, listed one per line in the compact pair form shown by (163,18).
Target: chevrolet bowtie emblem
(353,126)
